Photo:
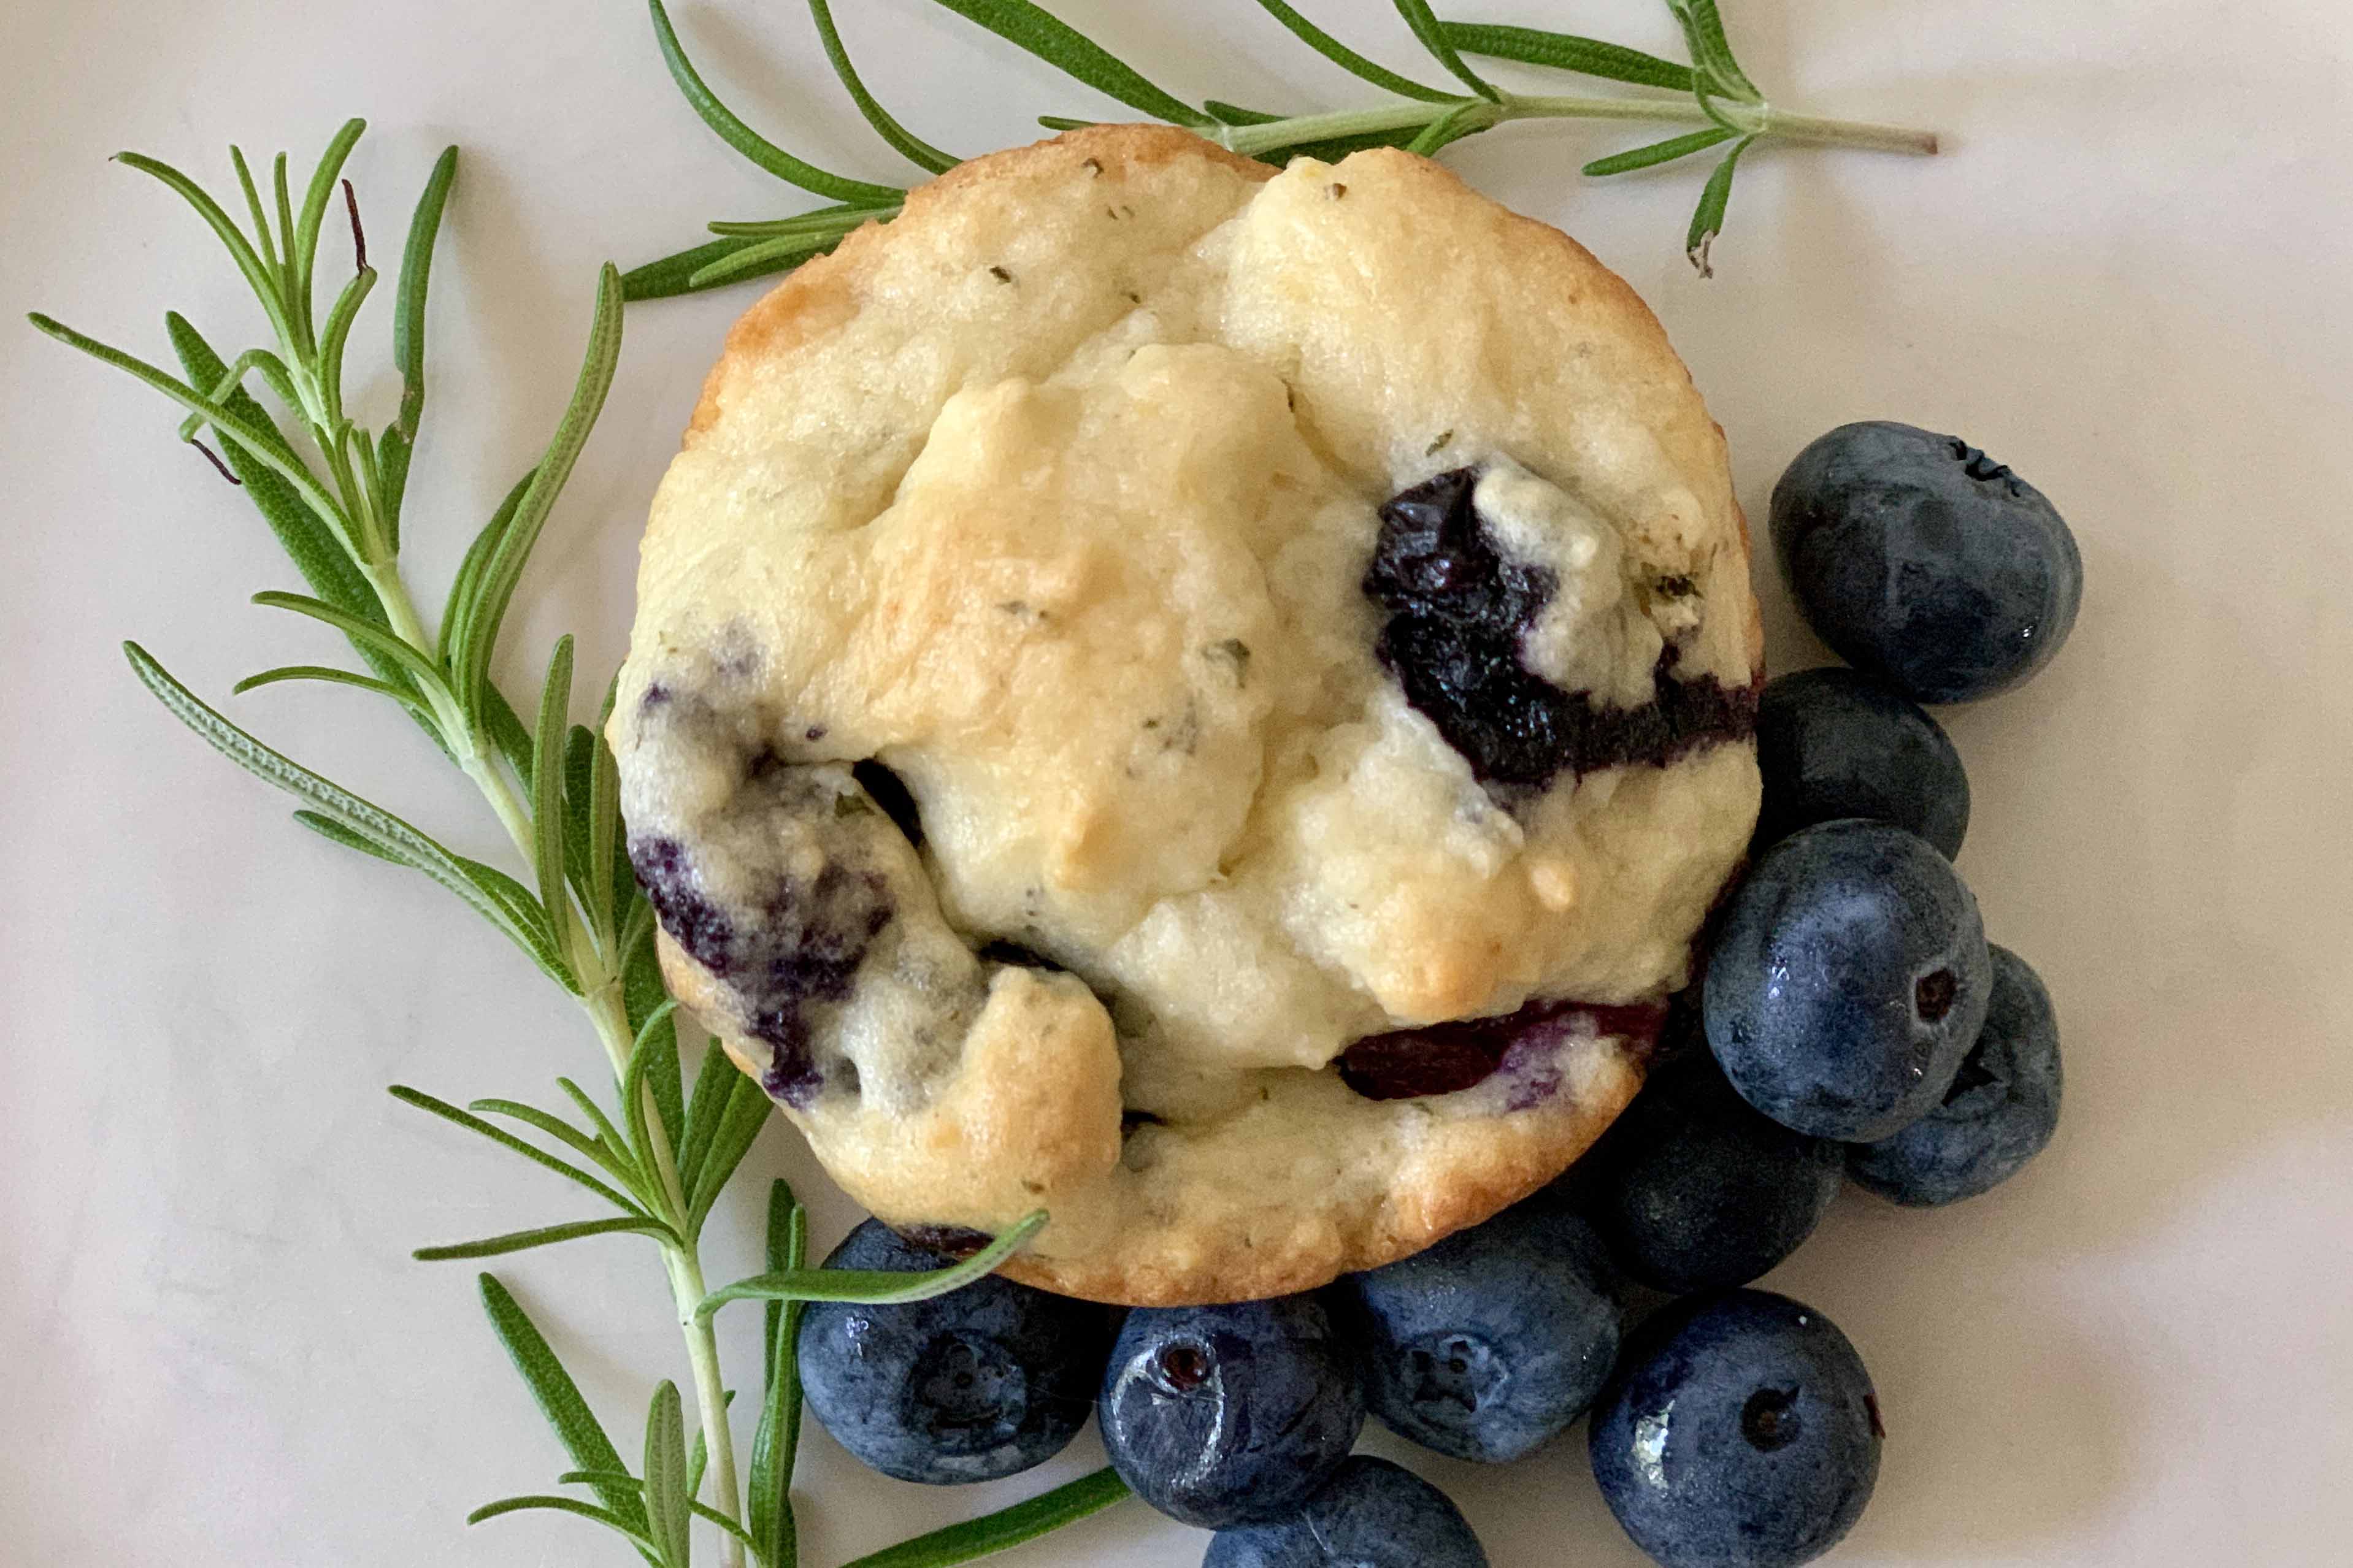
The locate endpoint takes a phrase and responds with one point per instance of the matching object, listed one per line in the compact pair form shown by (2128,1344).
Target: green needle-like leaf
(1063,46)
(547,793)
(750,143)
(331,800)
(1007,1528)
(545,1236)
(606,1154)
(673,275)
(607,844)
(1711,51)
(665,1476)
(610,1134)
(1659,153)
(364,633)
(912,147)
(576,1426)
(874,1288)
(706,1108)
(777,1442)
(335,832)
(747,1113)
(1707,222)
(259,276)
(1419,16)
(407,699)
(302,249)
(611,1519)
(338,332)
(1348,59)
(268,446)
(1566,52)
(261,238)
(504,570)
(466,585)
(763,257)
(1451,127)
(399,446)
(824,220)
(500,1136)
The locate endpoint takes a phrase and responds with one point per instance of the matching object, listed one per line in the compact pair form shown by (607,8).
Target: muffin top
(1207,701)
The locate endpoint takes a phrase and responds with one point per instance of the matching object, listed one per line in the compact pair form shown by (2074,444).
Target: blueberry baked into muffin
(1207,701)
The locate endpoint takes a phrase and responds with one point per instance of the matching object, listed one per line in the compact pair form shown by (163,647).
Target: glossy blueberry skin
(1372,1514)
(1923,560)
(1740,1431)
(980,1384)
(1219,1416)
(1849,978)
(1836,742)
(1696,1190)
(2001,1109)
(1488,1345)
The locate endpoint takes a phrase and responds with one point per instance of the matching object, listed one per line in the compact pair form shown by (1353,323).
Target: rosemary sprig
(1712,93)
(654,1157)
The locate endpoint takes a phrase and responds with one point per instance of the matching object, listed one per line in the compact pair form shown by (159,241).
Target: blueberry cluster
(1851,1022)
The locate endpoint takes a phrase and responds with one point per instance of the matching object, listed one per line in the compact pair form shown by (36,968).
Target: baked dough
(1055,734)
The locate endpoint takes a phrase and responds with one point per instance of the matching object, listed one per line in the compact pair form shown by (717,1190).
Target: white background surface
(2128,277)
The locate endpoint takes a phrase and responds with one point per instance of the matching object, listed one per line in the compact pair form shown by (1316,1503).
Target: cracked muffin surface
(1209,701)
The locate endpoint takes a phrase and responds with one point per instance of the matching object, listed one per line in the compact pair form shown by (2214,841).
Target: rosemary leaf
(545,1235)
(504,1139)
(558,1397)
(748,141)
(1063,46)
(1707,222)
(1452,127)
(775,1443)
(470,658)
(364,632)
(1348,59)
(284,672)
(910,146)
(1657,153)
(1566,52)
(874,1288)
(824,220)
(1009,1527)
(260,277)
(764,257)
(1419,16)
(1234,114)
(1711,51)
(673,276)
(400,443)
(665,1476)
(614,1160)
(327,827)
(611,1519)
(302,249)
(338,332)
(747,1113)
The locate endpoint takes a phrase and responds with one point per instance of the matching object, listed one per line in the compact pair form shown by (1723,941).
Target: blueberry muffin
(1207,701)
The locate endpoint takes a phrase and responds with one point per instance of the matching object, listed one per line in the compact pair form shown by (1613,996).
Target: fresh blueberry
(2001,1109)
(1697,1191)
(982,1383)
(1487,1345)
(1834,742)
(1373,1514)
(1740,1431)
(1848,980)
(1220,1415)
(1922,560)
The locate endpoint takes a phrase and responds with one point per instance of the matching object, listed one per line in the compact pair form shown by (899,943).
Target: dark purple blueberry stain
(800,948)
(656,695)
(1457,610)
(1445,1059)
(955,1241)
(890,792)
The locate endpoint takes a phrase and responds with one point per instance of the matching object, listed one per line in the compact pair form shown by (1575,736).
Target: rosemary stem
(688,1289)
(1763,119)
